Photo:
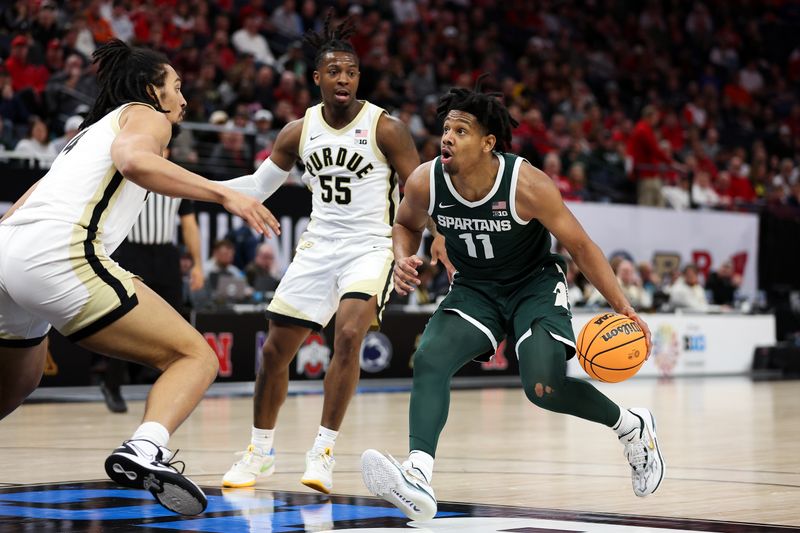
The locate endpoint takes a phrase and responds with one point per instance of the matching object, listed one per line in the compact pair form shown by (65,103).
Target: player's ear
(489,141)
(152,90)
(316,78)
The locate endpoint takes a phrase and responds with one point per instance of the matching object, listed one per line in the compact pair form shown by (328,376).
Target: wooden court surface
(732,447)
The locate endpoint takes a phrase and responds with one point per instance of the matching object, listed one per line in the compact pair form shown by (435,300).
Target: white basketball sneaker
(403,486)
(319,470)
(254,464)
(643,453)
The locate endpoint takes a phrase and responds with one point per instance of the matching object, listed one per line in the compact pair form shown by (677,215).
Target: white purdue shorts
(325,271)
(54,273)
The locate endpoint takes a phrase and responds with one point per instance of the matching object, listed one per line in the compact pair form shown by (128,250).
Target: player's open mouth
(342,95)
(447,155)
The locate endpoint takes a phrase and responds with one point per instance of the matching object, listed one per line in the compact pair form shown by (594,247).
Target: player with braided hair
(355,154)
(496,212)
(55,264)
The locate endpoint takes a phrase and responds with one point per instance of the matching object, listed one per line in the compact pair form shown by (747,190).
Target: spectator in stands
(648,159)
(7,141)
(703,193)
(248,40)
(120,21)
(552,167)
(287,21)
(71,128)
(265,134)
(687,293)
(723,283)
(742,191)
(37,144)
(46,28)
(69,89)
(262,272)
(677,196)
(12,107)
(232,155)
(789,172)
(24,75)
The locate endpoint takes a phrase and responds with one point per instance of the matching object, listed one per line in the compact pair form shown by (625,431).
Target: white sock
(262,438)
(423,462)
(152,432)
(326,438)
(627,423)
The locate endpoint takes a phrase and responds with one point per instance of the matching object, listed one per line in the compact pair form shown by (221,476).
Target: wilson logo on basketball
(624,329)
(603,318)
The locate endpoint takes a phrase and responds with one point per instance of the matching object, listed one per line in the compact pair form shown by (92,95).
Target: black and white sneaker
(134,465)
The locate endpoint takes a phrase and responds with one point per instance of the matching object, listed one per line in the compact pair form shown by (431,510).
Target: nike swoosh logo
(651,444)
(442,206)
(315,137)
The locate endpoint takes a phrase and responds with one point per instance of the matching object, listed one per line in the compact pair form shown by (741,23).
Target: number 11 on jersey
(472,249)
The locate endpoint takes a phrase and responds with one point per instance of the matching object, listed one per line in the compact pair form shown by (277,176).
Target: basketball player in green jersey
(497,212)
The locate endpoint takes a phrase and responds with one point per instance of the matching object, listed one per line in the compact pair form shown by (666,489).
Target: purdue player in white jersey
(354,154)
(55,267)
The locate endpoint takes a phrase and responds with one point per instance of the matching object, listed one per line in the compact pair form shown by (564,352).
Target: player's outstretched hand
(630,312)
(439,253)
(253,212)
(405,274)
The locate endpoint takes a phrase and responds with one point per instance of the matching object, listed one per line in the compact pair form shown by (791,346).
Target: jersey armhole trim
(512,194)
(115,121)
(432,180)
(373,132)
(304,132)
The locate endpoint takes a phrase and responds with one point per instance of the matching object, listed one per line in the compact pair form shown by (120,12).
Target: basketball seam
(615,347)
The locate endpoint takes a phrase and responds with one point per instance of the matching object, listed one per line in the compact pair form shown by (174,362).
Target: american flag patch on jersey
(498,205)
(362,134)
(499,209)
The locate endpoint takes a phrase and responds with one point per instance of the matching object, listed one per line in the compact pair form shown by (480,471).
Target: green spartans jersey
(486,240)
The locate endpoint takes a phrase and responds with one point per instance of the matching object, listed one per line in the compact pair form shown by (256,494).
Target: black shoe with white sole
(131,466)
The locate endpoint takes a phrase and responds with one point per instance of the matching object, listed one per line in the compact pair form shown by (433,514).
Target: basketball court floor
(732,448)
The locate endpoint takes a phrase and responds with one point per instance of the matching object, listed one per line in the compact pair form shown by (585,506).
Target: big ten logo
(222,344)
(376,352)
(498,361)
(694,340)
(313,357)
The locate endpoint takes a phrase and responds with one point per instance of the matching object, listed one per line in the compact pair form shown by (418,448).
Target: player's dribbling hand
(630,312)
(253,212)
(439,253)
(405,275)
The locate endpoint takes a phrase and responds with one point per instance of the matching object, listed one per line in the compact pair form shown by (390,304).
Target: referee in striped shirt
(150,252)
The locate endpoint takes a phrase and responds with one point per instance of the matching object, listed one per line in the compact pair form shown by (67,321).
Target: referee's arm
(190,232)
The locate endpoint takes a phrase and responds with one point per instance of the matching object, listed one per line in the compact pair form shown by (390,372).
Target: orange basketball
(611,347)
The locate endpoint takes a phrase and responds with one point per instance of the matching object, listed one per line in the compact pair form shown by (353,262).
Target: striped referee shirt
(158,221)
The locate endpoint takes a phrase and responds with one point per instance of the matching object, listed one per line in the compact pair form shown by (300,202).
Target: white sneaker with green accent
(319,470)
(403,486)
(644,454)
(254,463)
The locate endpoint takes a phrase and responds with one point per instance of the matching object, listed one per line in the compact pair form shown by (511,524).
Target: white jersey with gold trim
(84,188)
(355,192)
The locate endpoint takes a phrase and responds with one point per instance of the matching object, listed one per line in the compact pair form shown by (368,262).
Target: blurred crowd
(665,103)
